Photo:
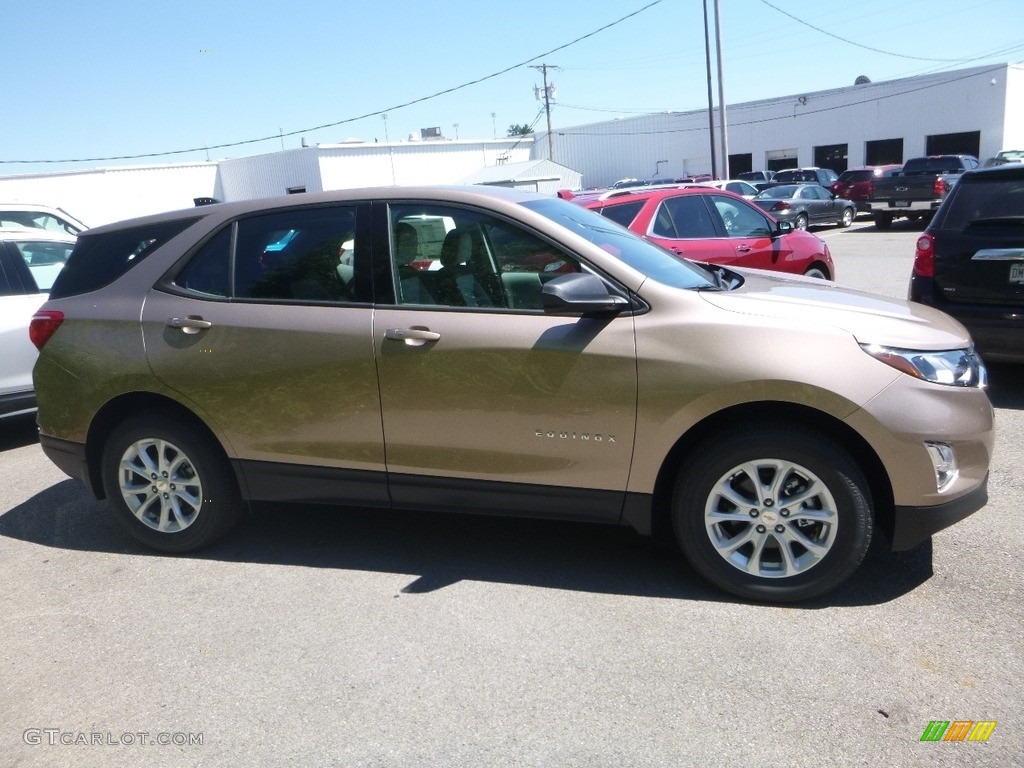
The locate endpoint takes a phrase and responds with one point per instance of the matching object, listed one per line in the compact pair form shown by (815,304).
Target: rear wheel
(847,218)
(168,486)
(801,221)
(775,513)
(882,220)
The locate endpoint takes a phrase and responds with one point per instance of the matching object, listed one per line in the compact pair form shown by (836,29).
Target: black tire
(193,497)
(708,536)
(818,271)
(847,218)
(882,220)
(801,221)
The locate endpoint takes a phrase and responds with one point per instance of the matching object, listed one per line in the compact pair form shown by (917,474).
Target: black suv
(970,260)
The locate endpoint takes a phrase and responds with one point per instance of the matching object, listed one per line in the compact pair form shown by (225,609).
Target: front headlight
(953,367)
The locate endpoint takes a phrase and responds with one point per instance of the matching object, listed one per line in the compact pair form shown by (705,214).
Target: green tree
(519,130)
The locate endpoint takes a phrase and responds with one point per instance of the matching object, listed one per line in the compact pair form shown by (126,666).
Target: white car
(30,260)
(737,186)
(32,216)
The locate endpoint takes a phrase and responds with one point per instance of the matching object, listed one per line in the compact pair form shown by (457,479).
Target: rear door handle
(190,324)
(415,337)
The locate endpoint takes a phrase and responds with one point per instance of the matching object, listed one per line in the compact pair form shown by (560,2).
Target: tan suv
(536,360)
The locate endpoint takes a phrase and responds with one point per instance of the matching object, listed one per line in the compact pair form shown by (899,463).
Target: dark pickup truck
(919,189)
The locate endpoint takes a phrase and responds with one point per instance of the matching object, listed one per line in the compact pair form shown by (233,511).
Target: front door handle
(414,337)
(190,324)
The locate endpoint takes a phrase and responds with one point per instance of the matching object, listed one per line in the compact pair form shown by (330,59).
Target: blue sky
(109,78)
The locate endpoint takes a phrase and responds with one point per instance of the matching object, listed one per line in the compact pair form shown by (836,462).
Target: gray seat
(458,280)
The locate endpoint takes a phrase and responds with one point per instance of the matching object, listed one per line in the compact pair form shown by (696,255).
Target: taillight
(924,258)
(782,205)
(869,189)
(44,324)
(939,187)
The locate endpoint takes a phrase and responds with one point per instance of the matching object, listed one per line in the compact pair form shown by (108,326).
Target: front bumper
(912,525)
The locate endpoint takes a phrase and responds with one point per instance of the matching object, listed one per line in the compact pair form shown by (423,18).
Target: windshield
(643,256)
(777,193)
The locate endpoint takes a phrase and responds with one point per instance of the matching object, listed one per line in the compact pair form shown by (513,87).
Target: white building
(541,176)
(102,195)
(977,111)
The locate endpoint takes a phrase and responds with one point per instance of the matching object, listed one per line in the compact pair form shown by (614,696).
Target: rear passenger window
(685,216)
(453,257)
(303,255)
(207,271)
(99,259)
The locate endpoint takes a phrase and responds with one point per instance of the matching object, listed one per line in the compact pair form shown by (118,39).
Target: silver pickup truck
(919,189)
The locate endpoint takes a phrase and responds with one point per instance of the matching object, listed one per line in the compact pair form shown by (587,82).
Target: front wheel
(169,487)
(817,271)
(775,514)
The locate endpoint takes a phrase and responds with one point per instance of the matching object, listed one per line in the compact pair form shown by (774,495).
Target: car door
(265,331)
(818,203)
(749,234)
(488,402)
(28,268)
(18,302)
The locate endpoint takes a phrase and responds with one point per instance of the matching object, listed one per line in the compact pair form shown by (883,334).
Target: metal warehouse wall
(103,195)
(632,148)
(346,166)
(1013,126)
(270,175)
(910,109)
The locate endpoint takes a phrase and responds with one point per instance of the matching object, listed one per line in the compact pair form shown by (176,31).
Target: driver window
(741,220)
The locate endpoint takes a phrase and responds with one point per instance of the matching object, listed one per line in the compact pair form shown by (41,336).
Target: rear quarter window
(624,213)
(99,259)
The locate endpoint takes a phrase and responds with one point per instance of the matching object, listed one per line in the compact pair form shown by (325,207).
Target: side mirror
(580,293)
(783,228)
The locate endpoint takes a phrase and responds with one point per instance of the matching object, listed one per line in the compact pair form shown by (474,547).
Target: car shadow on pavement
(1006,385)
(18,431)
(443,549)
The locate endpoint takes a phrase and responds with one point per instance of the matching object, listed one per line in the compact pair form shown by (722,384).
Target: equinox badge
(596,437)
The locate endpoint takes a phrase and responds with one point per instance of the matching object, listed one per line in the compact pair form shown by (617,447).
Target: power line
(375,113)
(858,45)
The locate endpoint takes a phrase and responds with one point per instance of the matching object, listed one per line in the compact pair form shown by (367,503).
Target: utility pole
(549,94)
(711,100)
(723,126)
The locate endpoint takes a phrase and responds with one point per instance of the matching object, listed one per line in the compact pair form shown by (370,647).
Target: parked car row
(857,184)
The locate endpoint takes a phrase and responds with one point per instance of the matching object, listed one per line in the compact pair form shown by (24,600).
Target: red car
(716,227)
(856,183)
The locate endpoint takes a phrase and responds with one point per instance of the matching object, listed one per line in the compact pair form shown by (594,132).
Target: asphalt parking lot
(368,638)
